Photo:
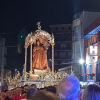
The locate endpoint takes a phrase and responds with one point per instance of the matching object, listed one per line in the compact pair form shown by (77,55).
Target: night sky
(19,17)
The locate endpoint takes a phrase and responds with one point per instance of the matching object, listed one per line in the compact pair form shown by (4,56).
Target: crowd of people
(68,89)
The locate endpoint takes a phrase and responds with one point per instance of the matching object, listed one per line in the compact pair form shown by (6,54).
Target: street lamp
(81,61)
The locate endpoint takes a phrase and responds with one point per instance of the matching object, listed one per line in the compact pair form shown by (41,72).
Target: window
(69,46)
(55,63)
(69,28)
(62,54)
(69,53)
(64,62)
(63,28)
(62,46)
(48,53)
(56,29)
(64,37)
(56,46)
(55,54)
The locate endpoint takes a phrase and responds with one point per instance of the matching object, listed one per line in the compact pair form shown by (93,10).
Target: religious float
(40,73)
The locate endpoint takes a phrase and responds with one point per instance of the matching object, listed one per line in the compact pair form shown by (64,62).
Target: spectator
(92,92)
(30,92)
(51,89)
(43,95)
(45,88)
(26,87)
(41,89)
(69,88)
(22,90)
(7,98)
(34,86)
(3,95)
(56,90)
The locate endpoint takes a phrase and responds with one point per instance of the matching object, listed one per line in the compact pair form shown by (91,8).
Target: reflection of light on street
(81,61)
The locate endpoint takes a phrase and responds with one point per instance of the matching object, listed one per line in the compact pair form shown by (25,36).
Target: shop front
(92,62)
(92,51)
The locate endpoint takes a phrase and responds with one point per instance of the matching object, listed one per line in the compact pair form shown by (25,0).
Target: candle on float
(52,38)
(31,39)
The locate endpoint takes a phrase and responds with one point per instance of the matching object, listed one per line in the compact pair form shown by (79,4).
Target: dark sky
(16,15)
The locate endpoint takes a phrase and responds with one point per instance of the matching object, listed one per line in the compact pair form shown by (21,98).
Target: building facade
(83,25)
(63,44)
(76,44)
(3,55)
(91,50)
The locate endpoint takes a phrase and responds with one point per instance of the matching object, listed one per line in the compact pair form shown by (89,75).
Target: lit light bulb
(81,61)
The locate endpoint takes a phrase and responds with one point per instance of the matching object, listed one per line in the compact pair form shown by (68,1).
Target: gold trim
(52,44)
(31,72)
(26,46)
(31,43)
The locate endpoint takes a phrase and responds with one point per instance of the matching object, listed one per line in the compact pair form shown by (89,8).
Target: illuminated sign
(93,50)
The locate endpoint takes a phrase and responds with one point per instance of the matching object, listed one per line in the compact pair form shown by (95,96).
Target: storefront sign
(93,50)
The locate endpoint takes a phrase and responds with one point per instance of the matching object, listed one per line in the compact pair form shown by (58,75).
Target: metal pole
(31,57)
(25,61)
(52,57)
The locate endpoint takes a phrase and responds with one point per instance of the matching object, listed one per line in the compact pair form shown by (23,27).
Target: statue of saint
(39,57)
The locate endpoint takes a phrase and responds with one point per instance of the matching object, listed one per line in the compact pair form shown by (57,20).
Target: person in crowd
(8,93)
(12,93)
(43,95)
(92,92)
(56,90)
(30,92)
(45,88)
(23,96)
(69,88)
(26,87)
(41,89)
(51,89)
(8,98)
(18,93)
(34,86)
(3,94)
(22,91)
